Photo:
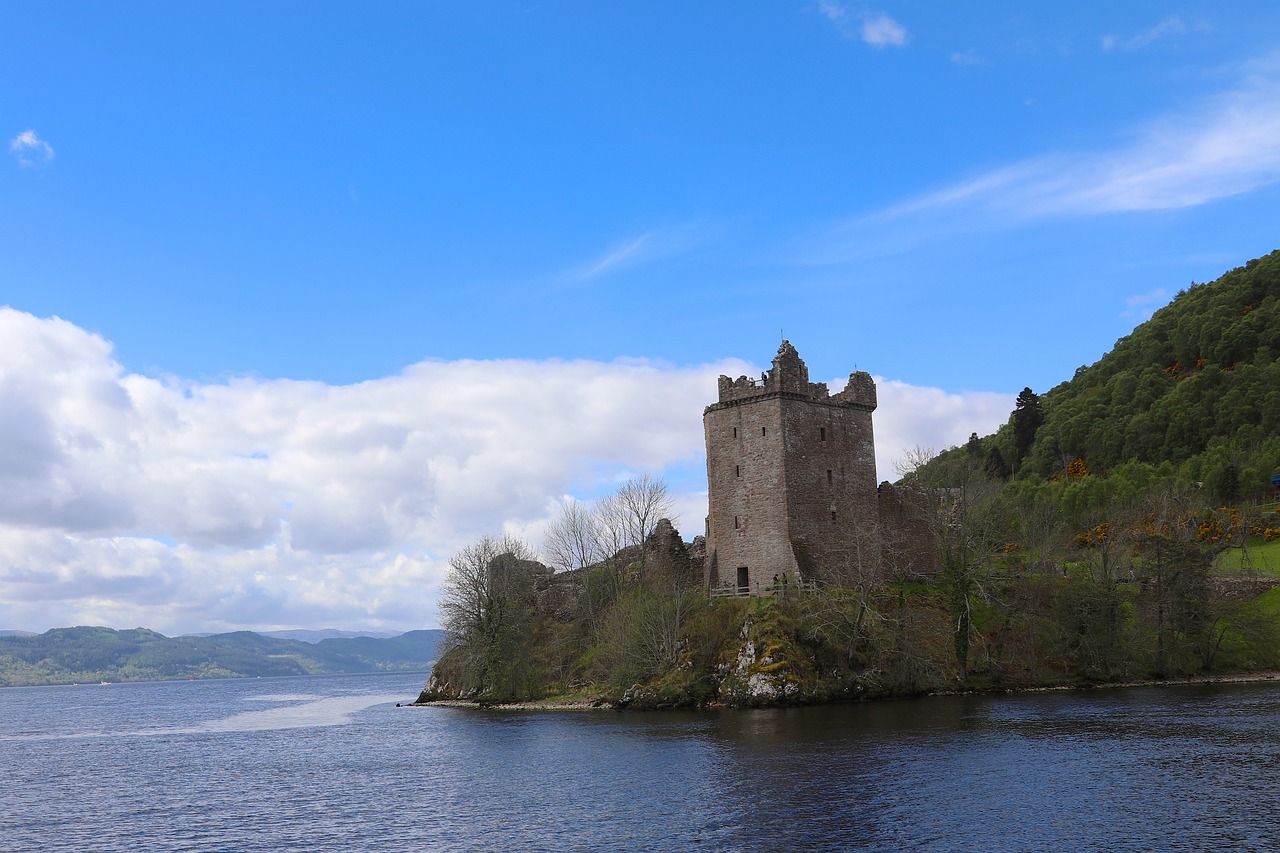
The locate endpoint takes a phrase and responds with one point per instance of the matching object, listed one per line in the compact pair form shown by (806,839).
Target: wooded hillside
(1197,387)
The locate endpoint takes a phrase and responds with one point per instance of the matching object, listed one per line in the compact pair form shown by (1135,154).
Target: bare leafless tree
(586,535)
(575,539)
(474,595)
(605,538)
(634,510)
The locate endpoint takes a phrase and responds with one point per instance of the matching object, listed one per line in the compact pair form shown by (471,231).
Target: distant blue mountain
(316,635)
(87,654)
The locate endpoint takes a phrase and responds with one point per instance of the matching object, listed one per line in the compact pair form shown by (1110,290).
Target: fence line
(779,590)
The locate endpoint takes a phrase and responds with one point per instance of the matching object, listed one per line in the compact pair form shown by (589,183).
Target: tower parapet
(790,375)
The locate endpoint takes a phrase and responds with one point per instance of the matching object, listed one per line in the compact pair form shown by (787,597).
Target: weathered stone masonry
(791,477)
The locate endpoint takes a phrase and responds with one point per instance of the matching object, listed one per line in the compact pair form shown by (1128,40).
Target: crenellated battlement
(790,376)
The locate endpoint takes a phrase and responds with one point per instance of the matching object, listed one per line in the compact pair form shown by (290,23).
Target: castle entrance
(744,582)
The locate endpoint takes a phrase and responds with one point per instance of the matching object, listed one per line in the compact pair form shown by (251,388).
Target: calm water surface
(323,764)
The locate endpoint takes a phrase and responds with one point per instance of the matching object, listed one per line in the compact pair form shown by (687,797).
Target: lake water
(322,764)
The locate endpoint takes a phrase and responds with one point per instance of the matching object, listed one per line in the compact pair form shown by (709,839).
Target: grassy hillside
(88,654)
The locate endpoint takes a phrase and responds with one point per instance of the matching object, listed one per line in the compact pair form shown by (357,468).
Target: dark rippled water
(331,764)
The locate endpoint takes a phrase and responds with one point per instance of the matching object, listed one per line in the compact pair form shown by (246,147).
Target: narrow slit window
(764,430)
(737,470)
(829,478)
(822,433)
(833,515)
(735,432)
(735,522)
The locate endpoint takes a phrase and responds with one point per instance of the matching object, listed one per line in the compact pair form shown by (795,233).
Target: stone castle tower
(791,476)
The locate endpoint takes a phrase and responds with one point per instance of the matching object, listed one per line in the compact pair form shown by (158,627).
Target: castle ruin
(791,475)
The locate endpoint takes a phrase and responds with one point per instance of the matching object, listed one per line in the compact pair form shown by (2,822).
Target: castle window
(735,432)
(735,522)
(737,470)
(763,431)
(822,433)
(829,476)
(833,515)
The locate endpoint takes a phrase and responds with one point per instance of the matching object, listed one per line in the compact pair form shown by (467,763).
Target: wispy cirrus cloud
(1166,28)
(1226,145)
(30,150)
(647,247)
(874,28)
(966,59)
(620,255)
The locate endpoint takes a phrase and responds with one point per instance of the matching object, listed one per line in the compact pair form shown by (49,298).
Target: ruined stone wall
(668,558)
(908,546)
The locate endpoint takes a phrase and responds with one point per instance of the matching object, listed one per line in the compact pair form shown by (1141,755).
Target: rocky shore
(603,704)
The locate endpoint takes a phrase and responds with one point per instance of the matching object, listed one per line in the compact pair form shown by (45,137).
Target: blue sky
(335,211)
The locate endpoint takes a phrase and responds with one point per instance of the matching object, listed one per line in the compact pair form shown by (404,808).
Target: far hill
(316,635)
(91,654)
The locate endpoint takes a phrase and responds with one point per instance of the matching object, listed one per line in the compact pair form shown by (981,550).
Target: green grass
(1269,601)
(1263,559)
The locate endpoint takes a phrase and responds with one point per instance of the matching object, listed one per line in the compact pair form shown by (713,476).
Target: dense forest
(1196,387)
(1120,526)
(90,654)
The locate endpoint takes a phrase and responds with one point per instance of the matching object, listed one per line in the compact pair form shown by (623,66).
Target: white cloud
(1170,26)
(837,14)
(1226,145)
(911,416)
(876,29)
(186,506)
(275,502)
(967,59)
(30,149)
(883,31)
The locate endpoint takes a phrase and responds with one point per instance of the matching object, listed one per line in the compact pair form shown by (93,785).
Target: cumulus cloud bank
(182,506)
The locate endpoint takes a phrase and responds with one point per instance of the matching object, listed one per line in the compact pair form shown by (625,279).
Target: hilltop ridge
(91,654)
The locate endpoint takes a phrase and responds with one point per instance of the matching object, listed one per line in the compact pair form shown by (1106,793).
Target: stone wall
(666,556)
(908,545)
